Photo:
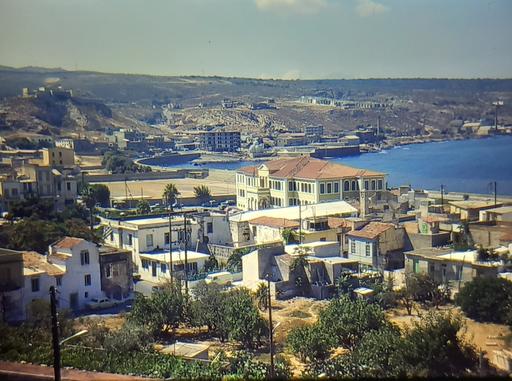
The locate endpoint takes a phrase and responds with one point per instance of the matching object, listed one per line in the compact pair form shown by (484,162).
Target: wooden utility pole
(170,247)
(186,254)
(270,330)
(55,334)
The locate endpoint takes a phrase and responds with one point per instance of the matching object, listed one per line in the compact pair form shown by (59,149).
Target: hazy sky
(262,38)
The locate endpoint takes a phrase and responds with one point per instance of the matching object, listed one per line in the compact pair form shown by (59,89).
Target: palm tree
(261,295)
(170,194)
(290,236)
(202,192)
(89,199)
(143,207)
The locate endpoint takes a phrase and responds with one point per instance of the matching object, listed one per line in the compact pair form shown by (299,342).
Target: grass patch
(299,314)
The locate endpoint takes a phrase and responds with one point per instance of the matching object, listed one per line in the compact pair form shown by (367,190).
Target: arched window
(346,186)
(354,185)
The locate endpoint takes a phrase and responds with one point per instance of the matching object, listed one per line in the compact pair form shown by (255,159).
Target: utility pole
(170,245)
(55,334)
(270,330)
(495,193)
(300,223)
(186,254)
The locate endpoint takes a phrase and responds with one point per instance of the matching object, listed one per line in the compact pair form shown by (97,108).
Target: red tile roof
(37,262)
(306,167)
(372,230)
(68,242)
(274,222)
(336,222)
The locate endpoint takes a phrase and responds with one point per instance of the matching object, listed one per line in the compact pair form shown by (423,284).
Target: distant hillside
(145,88)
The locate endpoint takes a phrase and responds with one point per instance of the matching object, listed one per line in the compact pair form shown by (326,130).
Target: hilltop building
(219,140)
(303,181)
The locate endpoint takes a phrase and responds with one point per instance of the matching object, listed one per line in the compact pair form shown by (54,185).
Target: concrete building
(378,245)
(11,285)
(269,223)
(59,157)
(317,279)
(116,272)
(313,130)
(155,265)
(501,214)
(149,234)
(80,263)
(303,181)
(469,210)
(219,140)
(291,139)
(447,266)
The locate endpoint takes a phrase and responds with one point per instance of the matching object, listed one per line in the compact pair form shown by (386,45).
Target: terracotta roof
(432,219)
(37,263)
(336,222)
(274,222)
(68,243)
(372,230)
(306,167)
(248,170)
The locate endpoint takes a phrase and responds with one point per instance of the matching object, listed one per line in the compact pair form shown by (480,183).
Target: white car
(100,303)
(224,278)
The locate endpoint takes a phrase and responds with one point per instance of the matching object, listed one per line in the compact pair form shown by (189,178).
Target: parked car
(225,204)
(222,278)
(210,204)
(100,303)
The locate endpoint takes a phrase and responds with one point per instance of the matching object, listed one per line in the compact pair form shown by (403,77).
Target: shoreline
(220,159)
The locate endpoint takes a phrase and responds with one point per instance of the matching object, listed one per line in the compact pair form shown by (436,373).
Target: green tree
(261,295)
(202,193)
(290,236)
(434,347)
(486,299)
(143,207)
(170,194)
(208,308)
(162,312)
(211,263)
(244,320)
(310,343)
(348,321)
(101,194)
(234,263)
(88,197)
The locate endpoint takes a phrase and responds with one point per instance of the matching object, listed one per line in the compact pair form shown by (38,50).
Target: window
(379,184)
(346,186)
(86,294)
(354,185)
(367,250)
(353,247)
(322,188)
(35,284)
(254,231)
(145,264)
(366,185)
(310,188)
(130,239)
(166,238)
(163,267)
(416,266)
(329,187)
(290,186)
(336,187)
(108,271)
(323,239)
(149,240)
(84,257)
(58,280)
(209,228)
(68,186)
(87,279)
(373,184)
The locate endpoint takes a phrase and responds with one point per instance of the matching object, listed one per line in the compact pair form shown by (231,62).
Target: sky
(286,39)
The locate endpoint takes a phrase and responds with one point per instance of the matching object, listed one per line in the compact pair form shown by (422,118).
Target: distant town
(120,253)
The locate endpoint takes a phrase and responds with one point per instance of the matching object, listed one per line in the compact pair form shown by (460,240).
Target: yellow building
(303,181)
(58,157)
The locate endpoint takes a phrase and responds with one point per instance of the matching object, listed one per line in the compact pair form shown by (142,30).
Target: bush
(486,299)
(309,343)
